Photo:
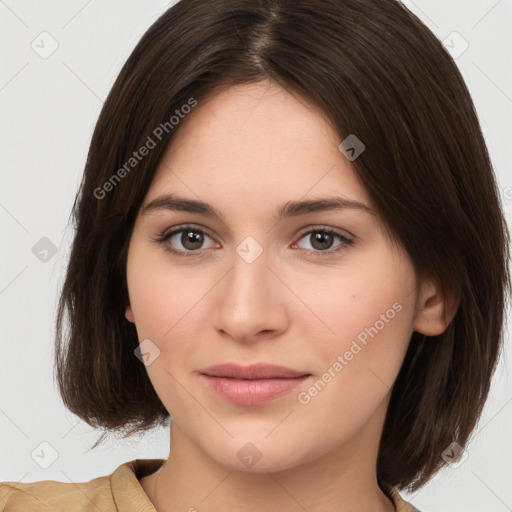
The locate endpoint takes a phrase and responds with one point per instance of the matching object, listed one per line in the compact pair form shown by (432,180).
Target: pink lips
(252,385)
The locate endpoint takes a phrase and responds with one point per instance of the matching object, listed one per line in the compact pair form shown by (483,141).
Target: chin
(258,457)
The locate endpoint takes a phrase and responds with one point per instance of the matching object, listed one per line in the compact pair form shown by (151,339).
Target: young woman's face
(322,292)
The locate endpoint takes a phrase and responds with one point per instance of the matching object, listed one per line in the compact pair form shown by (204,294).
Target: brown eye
(323,240)
(191,240)
(184,240)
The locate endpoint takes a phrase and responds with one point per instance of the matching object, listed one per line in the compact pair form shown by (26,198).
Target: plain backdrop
(49,105)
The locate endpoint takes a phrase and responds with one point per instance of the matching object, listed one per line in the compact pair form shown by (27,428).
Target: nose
(250,301)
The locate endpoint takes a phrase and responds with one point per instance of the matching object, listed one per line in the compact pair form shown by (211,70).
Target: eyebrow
(172,202)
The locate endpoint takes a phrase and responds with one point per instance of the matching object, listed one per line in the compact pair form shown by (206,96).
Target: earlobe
(129,314)
(436,309)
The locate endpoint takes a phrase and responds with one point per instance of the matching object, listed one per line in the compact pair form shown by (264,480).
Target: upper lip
(254,371)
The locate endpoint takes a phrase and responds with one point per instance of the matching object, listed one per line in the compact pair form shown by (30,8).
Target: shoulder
(118,491)
(50,495)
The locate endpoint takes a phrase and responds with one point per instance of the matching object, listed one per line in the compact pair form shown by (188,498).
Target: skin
(246,151)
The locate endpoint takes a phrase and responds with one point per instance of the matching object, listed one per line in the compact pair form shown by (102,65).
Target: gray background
(48,110)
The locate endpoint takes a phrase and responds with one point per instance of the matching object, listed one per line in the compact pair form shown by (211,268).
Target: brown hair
(376,71)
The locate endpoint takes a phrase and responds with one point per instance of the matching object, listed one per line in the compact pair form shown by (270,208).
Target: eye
(187,240)
(321,241)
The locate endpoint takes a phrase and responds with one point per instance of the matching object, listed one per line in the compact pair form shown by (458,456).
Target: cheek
(165,307)
(168,304)
(360,301)
(163,297)
(369,324)
(359,368)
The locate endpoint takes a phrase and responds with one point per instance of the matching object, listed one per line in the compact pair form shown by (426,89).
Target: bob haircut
(376,71)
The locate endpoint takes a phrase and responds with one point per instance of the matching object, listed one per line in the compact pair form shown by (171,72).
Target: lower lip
(252,392)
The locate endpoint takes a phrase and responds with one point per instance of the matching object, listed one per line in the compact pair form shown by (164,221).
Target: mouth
(252,385)
(254,371)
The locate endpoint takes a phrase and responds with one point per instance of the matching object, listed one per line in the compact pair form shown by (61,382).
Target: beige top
(118,492)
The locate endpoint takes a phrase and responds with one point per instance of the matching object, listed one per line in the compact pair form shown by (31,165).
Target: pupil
(191,240)
(321,238)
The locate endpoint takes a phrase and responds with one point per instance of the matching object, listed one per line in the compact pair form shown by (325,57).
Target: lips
(254,371)
(252,385)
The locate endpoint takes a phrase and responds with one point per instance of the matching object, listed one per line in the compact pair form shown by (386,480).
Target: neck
(343,479)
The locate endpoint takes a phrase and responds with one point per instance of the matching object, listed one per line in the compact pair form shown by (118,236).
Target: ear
(129,314)
(435,308)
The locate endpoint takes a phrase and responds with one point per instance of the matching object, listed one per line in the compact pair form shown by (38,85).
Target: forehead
(256,144)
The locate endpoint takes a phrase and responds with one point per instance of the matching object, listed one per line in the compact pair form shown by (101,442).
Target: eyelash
(166,235)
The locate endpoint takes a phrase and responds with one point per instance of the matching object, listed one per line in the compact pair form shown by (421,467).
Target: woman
(289,241)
